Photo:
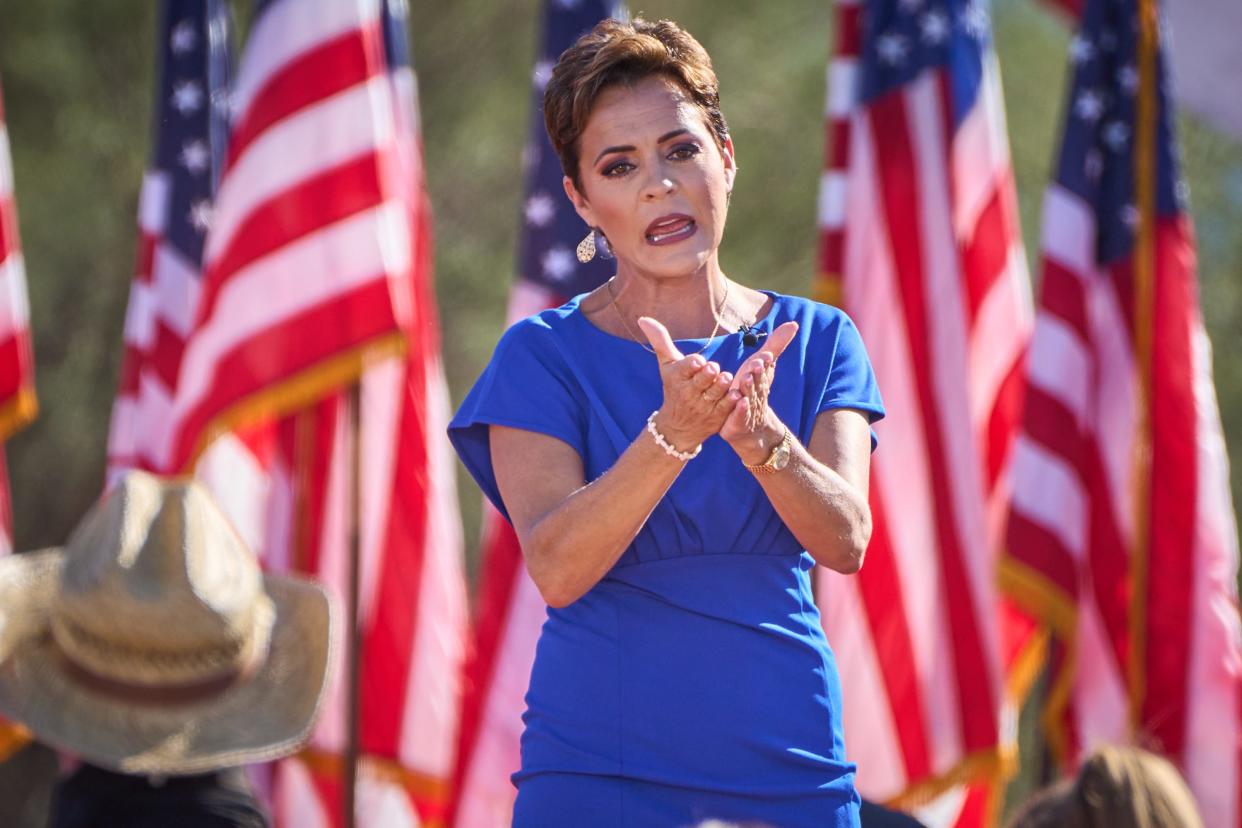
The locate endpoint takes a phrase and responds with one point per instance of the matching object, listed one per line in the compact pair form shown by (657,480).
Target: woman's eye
(683,151)
(618,169)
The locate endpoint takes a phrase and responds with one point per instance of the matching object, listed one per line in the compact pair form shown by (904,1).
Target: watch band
(768,466)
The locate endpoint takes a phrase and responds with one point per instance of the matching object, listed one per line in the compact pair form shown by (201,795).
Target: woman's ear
(579,201)
(730,164)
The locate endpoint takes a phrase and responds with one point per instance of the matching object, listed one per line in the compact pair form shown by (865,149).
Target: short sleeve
(851,381)
(527,385)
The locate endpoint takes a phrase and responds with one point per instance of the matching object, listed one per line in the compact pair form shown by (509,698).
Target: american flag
(191,130)
(413,615)
(1123,539)
(307,250)
(17,394)
(510,610)
(931,267)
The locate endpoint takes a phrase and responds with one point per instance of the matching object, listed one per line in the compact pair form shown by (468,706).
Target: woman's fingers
(660,340)
(776,344)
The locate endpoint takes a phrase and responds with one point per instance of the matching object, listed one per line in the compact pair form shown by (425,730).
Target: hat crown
(157,587)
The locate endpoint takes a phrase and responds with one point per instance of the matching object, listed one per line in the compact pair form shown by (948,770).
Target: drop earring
(586,247)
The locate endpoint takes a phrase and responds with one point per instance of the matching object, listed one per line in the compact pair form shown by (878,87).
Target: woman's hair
(1116,787)
(617,52)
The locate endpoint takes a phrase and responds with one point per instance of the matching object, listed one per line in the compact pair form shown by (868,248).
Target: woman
(670,482)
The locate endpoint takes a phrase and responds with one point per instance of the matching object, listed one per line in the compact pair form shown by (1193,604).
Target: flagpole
(353,636)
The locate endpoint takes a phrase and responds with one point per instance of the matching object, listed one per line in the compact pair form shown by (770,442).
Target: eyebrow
(630,147)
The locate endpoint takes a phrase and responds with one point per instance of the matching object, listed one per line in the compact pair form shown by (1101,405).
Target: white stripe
(1101,697)
(289,28)
(433,696)
(1068,231)
(278,539)
(901,466)
(1049,493)
(309,272)
(487,794)
(980,152)
(297,799)
(872,740)
(14,308)
(1114,398)
(350,124)
(949,354)
(832,200)
(382,387)
(1059,365)
(152,416)
(842,87)
(6,165)
(153,202)
(383,801)
(140,316)
(122,434)
(1213,729)
(177,286)
(1002,328)
(240,485)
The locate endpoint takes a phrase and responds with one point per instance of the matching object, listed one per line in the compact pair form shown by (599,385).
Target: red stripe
(15,362)
(1061,294)
(1003,421)
(986,254)
(849,30)
(312,76)
(880,585)
(131,367)
(1174,488)
(164,358)
(1054,427)
(286,348)
(898,182)
(388,648)
(837,150)
(10,241)
(498,580)
(1040,550)
(314,203)
(832,251)
(1108,558)
(144,263)
(975,811)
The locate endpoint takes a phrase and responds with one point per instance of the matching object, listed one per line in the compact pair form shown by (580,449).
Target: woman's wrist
(678,440)
(754,447)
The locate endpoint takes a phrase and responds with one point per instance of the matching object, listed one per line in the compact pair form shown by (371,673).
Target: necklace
(613,297)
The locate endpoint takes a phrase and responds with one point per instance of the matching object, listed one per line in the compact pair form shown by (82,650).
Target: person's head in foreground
(1117,787)
(151,644)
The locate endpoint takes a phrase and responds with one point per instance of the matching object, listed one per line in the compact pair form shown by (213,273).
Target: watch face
(780,457)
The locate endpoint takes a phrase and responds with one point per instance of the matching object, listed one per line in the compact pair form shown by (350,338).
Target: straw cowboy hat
(152,643)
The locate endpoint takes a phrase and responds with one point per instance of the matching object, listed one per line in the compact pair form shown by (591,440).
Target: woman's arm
(573,532)
(821,495)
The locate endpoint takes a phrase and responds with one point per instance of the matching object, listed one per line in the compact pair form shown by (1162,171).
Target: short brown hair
(617,52)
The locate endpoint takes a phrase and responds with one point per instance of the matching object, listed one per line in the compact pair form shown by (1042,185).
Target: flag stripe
(898,176)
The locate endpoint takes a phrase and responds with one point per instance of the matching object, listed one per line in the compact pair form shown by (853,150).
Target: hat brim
(263,717)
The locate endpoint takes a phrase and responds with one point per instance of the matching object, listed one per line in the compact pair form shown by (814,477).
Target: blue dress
(694,680)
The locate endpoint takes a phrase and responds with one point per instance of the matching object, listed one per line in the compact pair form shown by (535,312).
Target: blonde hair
(1117,787)
(617,52)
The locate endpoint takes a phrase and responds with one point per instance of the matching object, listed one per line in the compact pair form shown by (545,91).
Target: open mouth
(670,229)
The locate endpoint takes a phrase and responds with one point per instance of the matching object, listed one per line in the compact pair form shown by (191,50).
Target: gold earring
(586,247)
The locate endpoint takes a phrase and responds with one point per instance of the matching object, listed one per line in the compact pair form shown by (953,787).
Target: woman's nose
(658,185)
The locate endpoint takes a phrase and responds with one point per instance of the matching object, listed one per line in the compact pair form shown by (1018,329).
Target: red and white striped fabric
(17,396)
(1123,539)
(310,237)
(921,245)
(413,614)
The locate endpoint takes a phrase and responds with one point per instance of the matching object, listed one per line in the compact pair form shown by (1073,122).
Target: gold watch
(777,460)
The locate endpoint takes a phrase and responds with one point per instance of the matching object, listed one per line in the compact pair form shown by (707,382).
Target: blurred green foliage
(77,81)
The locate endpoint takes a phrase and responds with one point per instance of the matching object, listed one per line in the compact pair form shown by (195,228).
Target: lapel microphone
(751,337)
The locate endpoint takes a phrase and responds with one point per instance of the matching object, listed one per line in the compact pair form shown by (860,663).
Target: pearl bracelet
(666,445)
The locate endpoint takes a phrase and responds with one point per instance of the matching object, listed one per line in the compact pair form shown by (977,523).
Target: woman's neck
(689,306)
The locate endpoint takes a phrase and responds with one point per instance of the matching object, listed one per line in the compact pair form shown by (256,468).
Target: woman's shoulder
(542,327)
(813,317)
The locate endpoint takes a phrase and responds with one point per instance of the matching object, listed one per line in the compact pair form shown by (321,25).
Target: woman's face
(653,180)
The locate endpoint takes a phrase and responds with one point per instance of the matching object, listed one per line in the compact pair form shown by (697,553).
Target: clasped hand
(700,399)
